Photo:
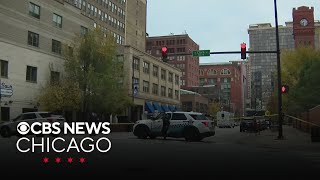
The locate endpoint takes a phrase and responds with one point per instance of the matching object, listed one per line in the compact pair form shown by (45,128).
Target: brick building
(229,79)
(178,45)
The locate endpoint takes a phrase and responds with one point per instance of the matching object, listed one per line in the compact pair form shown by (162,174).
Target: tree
(300,70)
(92,66)
(60,96)
(213,108)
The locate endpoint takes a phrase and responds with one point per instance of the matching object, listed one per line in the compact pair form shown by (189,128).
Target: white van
(225,119)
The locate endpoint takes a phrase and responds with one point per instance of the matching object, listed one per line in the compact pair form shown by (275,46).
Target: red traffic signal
(284,89)
(243,51)
(164,54)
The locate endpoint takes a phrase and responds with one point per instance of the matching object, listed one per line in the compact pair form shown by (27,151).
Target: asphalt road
(229,153)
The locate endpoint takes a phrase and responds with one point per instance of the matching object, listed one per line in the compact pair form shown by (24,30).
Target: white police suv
(189,125)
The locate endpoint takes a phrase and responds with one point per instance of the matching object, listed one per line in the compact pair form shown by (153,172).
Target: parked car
(9,128)
(189,125)
(247,124)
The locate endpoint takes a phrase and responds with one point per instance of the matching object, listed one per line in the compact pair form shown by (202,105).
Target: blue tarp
(165,108)
(148,107)
(177,108)
(158,107)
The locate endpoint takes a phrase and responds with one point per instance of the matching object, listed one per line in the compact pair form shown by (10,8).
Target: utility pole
(280,136)
(0,91)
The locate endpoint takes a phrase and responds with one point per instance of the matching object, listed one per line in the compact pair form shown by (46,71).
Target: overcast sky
(218,25)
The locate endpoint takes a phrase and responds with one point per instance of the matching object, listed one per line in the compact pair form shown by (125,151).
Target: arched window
(212,72)
(225,72)
(201,72)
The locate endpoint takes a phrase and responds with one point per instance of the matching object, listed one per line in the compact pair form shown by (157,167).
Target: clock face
(303,22)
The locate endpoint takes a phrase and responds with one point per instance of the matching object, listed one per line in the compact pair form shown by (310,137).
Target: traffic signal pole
(280,136)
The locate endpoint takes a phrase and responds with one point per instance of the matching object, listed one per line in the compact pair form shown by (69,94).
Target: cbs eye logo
(23,128)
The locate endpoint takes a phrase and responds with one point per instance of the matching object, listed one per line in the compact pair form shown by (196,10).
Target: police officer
(166,124)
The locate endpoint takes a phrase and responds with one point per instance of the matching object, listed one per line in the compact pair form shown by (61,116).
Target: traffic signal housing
(164,52)
(284,89)
(243,51)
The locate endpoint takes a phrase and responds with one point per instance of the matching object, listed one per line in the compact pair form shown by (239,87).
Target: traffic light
(243,51)
(164,54)
(284,89)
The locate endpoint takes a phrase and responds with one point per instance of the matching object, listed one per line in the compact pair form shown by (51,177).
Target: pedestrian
(166,125)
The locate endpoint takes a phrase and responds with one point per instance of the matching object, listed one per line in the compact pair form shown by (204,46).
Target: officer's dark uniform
(166,124)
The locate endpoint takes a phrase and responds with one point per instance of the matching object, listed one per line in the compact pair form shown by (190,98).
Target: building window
(170,93)
(56,46)
(170,77)
(182,82)
(155,71)
(31,75)
(176,94)
(202,81)
(57,20)
(33,39)
(212,81)
(176,78)
(181,58)
(155,89)
(163,91)
(146,67)
(34,10)
(136,64)
(4,68)
(225,72)
(145,86)
(163,74)
(83,30)
(201,72)
(54,77)
(212,72)
(181,50)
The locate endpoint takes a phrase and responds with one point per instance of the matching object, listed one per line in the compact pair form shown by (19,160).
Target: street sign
(201,53)
(6,92)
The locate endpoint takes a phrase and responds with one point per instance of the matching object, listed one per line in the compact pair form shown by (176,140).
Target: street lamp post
(280,136)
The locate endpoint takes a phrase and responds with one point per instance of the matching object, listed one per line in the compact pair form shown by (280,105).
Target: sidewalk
(293,139)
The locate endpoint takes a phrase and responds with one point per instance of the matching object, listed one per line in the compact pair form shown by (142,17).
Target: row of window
(33,40)
(34,11)
(155,72)
(31,73)
(213,81)
(118,38)
(155,89)
(107,4)
(215,72)
(105,18)
(169,42)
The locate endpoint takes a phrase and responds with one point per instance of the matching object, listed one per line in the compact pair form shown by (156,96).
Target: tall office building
(136,21)
(178,44)
(32,34)
(263,66)
(303,31)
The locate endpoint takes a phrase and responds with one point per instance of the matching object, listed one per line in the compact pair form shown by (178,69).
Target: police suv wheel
(191,134)
(5,132)
(141,132)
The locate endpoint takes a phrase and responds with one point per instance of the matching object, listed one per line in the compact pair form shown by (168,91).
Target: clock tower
(303,26)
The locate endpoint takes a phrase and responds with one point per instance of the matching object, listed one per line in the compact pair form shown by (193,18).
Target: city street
(229,153)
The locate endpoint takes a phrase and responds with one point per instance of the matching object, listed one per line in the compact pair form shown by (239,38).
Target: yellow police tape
(301,120)
(243,117)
